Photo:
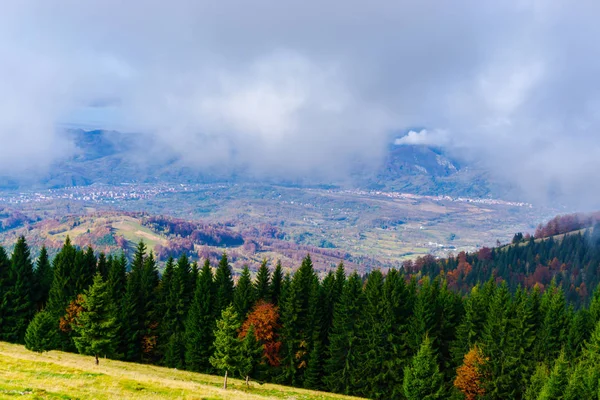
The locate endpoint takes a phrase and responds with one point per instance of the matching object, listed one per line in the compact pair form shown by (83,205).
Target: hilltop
(57,375)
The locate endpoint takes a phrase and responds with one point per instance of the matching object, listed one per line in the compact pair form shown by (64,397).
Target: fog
(299,90)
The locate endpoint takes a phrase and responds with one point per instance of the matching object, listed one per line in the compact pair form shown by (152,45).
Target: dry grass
(57,375)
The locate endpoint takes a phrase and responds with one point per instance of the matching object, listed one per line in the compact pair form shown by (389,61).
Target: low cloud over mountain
(297,89)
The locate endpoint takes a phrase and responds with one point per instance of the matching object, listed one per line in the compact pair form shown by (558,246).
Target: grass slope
(57,375)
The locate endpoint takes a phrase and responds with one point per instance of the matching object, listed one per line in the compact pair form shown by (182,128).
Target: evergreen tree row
(402,335)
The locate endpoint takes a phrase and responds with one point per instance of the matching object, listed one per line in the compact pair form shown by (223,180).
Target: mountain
(111,157)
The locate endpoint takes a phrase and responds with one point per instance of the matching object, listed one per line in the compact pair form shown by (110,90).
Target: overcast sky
(303,87)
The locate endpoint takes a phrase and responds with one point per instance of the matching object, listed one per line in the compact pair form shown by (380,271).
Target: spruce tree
(470,329)
(425,315)
(251,355)
(42,333)
(20,306)
(103,266)
(536,382)
(175,312)
(4,285)
(556,384)
(298,324)
(43,276)
(150,320)
(117,278)
(62,290)
(227,355)
(579,331)
(223,286)
(340,279)
(368,372)
(422,377)
(342,353)
(184,272)
(276,284)
(96,324)
(200,323)
(578,386)
(175,350)
(262,283)
(553,332)
(134,309)
(498,345)
(243,298)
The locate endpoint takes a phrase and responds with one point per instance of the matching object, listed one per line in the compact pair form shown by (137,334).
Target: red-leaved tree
(265,319)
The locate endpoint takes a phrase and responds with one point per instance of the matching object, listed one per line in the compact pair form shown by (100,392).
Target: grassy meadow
(58,375)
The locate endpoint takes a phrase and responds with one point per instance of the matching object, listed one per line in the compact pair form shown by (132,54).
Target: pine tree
(63,291)
(557,382)
(243,298)
(422,378)
(227,357)
(262,283)
(103,266)
(578,385)
(84,270)
(314,369)
(166,307)
(139,307)
(499,346)
(471,328)
(184,271)
(580,329)
(20,307)
(425,315)
(251,354)
(175,351)
(200,323)
(96,324)
(175,311)
(150,321)
(223,286)
(553,332)
(368,372)
(536,382)
(4,285)
(43,276)
(343,351)
(42,333)
(340,279)
(276,284)
(117,278)
(298,323)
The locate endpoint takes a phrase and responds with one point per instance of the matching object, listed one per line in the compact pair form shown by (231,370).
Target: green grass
(57,375)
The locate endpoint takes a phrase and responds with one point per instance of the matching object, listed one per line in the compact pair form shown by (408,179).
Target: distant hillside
(113,232)
(571,260)
(112,157)
(428,170)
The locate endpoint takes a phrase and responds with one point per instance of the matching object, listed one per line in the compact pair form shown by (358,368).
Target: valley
(364,228)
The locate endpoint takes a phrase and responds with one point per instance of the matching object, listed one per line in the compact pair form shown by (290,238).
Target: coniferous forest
(515,322)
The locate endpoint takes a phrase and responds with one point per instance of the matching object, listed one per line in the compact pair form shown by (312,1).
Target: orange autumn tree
(469,375)
(74,308)
(265,319)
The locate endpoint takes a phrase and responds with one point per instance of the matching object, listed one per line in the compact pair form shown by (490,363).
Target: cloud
(436,138)
(300,90)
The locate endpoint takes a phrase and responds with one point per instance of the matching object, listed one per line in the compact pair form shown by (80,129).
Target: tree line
(571,260)
(402,334)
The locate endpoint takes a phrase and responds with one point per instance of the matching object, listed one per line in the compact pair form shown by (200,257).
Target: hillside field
(57,375)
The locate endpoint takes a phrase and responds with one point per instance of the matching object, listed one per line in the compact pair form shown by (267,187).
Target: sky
(310,88)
